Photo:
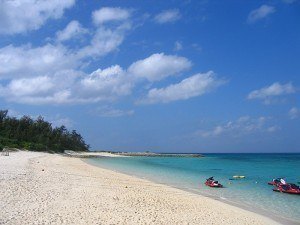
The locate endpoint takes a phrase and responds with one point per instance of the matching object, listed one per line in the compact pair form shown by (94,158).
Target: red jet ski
(276,182)
(213,183)
(288,188)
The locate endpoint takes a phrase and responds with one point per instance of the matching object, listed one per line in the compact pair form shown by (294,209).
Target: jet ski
(288,188)
(277,181)
(211,182)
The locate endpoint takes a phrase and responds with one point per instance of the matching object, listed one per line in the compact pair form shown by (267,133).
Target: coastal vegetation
(37,135)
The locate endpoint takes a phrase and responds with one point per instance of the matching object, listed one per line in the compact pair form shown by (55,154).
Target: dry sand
(40,188)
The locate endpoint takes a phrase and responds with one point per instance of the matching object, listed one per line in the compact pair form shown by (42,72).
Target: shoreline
(51,188)
(100,154)
(264,213)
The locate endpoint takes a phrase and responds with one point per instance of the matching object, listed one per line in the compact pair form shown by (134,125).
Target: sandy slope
(39,188)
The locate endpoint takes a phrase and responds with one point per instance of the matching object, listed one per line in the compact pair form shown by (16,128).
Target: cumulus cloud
(55,121)
(273,128)
(58,120)
(72,30)
(58,85)
(260,13)
(28,61)
(51,74)
(108,14)
(294,113)
(103,42)
(54,89)
(31,86)
(193,86)
(242,126)
(167,16)
(159,66)
(276,89)
(107,38)
(105,84)
(49,83)
(18,16)
(177,46)
(69,87)
(107,111)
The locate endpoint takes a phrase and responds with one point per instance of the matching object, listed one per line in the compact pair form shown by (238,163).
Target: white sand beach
(41,188)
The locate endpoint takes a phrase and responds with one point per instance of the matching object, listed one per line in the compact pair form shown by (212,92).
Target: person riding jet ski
(211,182)
(277,181)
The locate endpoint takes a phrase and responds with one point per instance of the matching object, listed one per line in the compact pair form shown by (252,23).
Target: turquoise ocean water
(190,174)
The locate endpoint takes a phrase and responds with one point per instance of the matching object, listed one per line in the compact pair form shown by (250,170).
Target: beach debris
(116,198)
(43,169)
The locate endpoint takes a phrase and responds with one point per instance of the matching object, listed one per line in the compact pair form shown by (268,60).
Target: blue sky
(165,76)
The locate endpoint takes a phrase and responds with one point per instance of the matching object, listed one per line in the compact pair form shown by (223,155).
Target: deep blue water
(190,174)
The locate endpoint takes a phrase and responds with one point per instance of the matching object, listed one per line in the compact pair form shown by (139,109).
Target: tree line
(37,135)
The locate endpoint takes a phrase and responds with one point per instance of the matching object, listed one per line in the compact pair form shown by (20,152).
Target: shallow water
(190,174)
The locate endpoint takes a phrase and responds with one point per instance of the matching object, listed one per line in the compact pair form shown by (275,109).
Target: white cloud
(107,111)
(294,113)
(53,89)
(60,86)
(214,132)
(269,92)
(70,87)
(167,16)
(193,86)
(30,86)
(108,14)
(242,126)
(272,129)
(55,121)
(14,113)
(72,30)
(43,80)
(58,121)
(178,46)
(27,61)
(106,84)
(159,66)
(18,16)
(103,42)
(197,47)
(50,74)
(107,38)
(260,13)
